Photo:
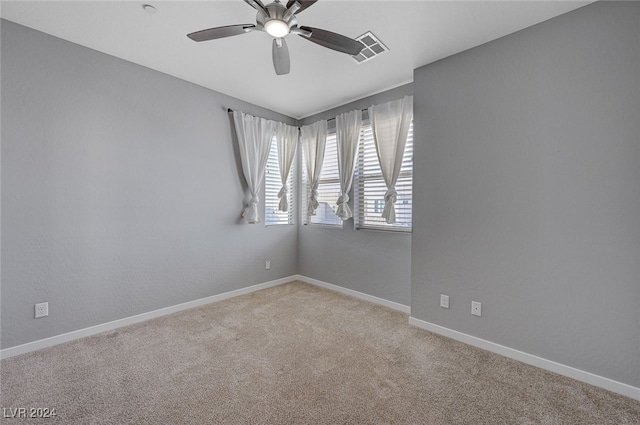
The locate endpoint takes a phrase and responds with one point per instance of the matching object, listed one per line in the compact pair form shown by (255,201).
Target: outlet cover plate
(41,310)
(476,308)
(444,301)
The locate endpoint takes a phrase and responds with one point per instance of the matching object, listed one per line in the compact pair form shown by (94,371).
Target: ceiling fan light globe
(276,28)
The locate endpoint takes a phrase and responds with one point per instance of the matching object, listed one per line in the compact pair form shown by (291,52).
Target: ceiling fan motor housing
(277,12)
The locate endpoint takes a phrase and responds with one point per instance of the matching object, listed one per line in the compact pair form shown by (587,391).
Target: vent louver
(372,47)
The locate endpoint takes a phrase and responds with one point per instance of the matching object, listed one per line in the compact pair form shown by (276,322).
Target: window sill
(325,226)
(383,230)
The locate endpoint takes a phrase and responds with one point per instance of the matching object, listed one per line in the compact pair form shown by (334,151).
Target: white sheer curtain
(314,139)
(348,134)
(390,123)
(287,138)
(254,140)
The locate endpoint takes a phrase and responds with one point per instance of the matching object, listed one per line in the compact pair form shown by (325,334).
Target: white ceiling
(416,32)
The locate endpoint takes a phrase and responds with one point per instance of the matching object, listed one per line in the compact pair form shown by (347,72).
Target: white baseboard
(571,372)
(381,301)
(92,330)
(580,375)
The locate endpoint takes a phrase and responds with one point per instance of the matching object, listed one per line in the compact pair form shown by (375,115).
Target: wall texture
(371,262)
(527,190)
(121,191)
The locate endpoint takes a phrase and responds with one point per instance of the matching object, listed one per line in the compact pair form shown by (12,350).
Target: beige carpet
(293,354)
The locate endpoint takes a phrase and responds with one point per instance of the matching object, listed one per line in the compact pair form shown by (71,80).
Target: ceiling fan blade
(220,32)
(257,5)
(280,54)
(303,4)
(334,41)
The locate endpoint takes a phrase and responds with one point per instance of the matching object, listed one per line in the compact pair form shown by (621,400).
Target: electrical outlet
(267,265)
(444,301)
(42,309)
(476,308)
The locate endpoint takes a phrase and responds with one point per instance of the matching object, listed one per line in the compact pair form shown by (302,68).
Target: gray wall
(372,262)
(526,193)
(527,190)
(121,191)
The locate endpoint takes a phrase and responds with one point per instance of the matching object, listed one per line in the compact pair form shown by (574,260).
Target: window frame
(333,180)
(272,185)
(359,188)
(360,221)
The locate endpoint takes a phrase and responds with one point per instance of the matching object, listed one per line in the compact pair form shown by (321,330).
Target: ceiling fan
(279,21)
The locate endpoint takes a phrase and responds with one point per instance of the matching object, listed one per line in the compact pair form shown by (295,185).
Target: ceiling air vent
(372,47)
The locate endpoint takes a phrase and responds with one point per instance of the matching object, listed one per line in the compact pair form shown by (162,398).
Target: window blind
(272,186)
(328,186)
(369,186)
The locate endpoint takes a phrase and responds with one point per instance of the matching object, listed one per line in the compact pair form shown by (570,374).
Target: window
(272,186)
(369,186)
(328,187)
